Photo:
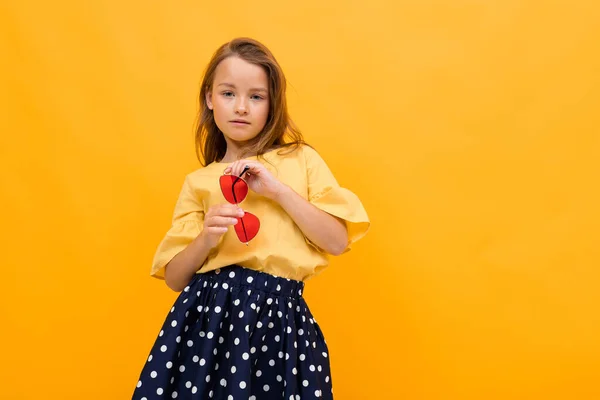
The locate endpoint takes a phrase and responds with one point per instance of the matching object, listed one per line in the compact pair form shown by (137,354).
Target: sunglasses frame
(240,219)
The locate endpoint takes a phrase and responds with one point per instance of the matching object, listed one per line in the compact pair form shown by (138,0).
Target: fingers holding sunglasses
(217,221)
(238,167)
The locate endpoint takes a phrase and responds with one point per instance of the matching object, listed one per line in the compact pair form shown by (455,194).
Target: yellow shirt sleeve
(187,223)
(326,194)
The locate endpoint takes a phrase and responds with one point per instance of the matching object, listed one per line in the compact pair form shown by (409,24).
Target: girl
(248,229)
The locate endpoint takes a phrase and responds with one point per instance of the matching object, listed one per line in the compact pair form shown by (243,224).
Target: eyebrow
(233,86)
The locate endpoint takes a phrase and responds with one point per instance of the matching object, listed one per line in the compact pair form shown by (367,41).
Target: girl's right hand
(217,221)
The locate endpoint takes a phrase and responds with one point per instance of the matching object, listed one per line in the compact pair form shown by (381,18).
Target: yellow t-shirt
(280,248)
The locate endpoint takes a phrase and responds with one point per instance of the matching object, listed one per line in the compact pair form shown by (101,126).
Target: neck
(235,151)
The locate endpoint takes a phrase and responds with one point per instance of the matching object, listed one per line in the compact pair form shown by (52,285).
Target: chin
(236,137)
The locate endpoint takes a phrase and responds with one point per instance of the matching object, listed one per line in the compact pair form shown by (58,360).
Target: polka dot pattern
(236,333)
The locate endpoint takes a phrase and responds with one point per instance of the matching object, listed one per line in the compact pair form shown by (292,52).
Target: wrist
(280,193)
(204,240)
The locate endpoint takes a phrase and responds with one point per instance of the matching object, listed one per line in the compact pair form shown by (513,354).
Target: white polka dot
(188,384)
(287,356)
(294,371)
(272,363)
(259,324)
(186,289)
(253,350)
(210,335)
(312,368)
(225,286)
(230,397)
(178,339)
(227,355)
(163,348)
(277,338)
(317,393)
(305,383)
(232,274)
(327,379)
(223,382)
(217,309)
(302,357)
(150,358)
(324,354)
(161,333)
(245,356)
(279,314)
(247,328)
(190,343)
(258,373)
(266,388)
(236,341)
(250,279)
(271,325)
(289,329)
(253,306)
(172,308)
(279,378)
(242,385)
(221,340)
(233,369)
(215,352)
(202,334)
(202,361)
(174,324)
(300,331)
(169,365)
(252,398)
(182,368)
(241,314)
(320,368)
(278,287)
(194,390)
(231,328)
(207,378)
(281,354)
(265,348)
(139,384)
(195,358)
(297,397)
(174,395)
(210,394)
(159,391)
(269,301)
(289,304)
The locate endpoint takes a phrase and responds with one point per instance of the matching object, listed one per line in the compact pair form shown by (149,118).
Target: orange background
(468,128)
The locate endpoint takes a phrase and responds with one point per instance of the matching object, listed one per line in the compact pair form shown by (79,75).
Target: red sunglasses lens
(234,189)
(247,227)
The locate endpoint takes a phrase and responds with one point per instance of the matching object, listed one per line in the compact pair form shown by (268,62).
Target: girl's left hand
(258,177)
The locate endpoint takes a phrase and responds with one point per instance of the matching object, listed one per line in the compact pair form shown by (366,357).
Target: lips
(240,121)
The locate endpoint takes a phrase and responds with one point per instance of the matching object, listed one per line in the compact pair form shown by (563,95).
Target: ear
(209,103)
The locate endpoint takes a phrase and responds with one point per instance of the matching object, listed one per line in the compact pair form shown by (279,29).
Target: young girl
(248,229)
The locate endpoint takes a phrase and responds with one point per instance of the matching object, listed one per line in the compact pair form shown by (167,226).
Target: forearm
(323,229)
(181,269)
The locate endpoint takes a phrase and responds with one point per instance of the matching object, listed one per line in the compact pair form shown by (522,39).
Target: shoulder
(302,152)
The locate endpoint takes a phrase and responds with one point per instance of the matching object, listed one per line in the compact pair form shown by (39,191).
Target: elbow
(174,285)
(338,247)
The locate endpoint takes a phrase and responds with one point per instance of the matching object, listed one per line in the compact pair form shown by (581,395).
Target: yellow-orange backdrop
(468,128)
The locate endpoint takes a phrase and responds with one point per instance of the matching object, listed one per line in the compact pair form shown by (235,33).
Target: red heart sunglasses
(235,190)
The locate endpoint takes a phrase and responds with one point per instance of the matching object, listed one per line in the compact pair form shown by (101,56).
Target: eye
(227,94)
(257,97)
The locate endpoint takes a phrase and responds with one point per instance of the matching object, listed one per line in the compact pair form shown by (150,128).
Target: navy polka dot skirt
(238,334)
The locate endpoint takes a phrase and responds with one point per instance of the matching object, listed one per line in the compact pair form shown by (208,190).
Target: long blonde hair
(279,130)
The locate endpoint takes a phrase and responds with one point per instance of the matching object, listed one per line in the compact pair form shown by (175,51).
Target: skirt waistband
(234,275)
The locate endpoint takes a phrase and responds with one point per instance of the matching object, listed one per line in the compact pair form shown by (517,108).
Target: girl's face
(239,98)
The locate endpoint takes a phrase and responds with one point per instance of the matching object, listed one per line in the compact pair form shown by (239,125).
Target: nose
(241,106)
